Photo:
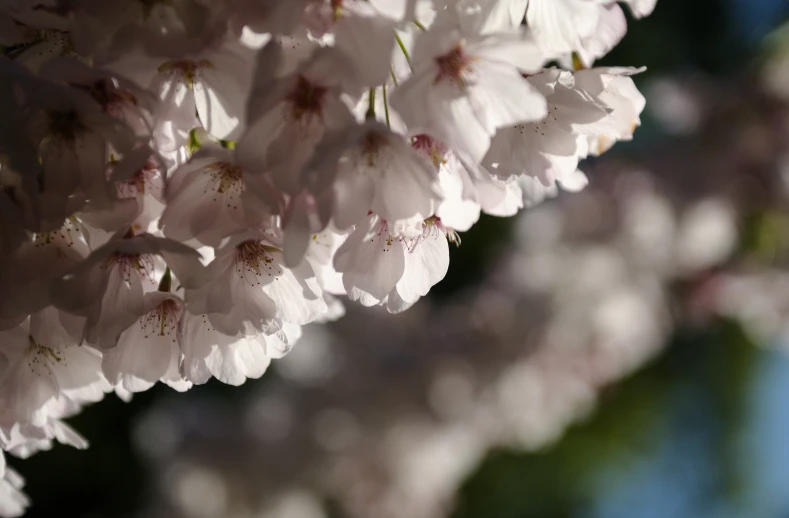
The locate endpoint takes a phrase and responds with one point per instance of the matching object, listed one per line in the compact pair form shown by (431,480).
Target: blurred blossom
(707,235)
(268,418)
(538,401)
(335,429)
(158,433)
(314,361)
(761,302)
(197,491)
(384,416)
(674,106)
(451,393)
(428,464)
(296,504)
(784,171)
(775,77)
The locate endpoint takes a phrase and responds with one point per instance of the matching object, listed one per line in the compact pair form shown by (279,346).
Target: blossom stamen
(306,99)
(432,148)
(255,258)
(135,185)
(453,65)
(68,231)
(142,264)
(226,180)
(40,357)
(370,147)
(189,70)
(65,125)
(162,321)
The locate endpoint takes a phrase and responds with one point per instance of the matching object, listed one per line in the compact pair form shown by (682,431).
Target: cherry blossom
(184,184)
(208,200)
(551,147)
(250,287)
(587,28)
(13,501)
(149,350)
(47,370)
(375,169)
(465,86)
(232,358)
(393,265)
(467,188)
(108,288)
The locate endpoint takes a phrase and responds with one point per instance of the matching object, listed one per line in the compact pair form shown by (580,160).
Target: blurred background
(622,352)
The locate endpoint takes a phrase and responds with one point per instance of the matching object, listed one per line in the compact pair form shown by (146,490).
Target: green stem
(394,79)
(166,283)
(370,115)
(194,143)
(403,50)
(419,25)
(386,107)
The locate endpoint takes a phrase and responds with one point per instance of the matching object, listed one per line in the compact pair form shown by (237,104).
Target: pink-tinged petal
(515,48)
(395,304)
(252,354)
(172,377)
(641,8)
(458,214)
(611,28)
(297,229)
(575,181)
(559,25)
(229,358)
(80,377)
(251,149)
(426,263)
(496,198)
(121,306)
(220,101)
(366,37)
(296,294)
(175,115)
(353,198)
(371,263)
(145,351)
(502,97)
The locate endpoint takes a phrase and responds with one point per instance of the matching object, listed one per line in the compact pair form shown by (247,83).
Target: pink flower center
(385,239)
(40,357)
(226,179)
(162,321)
(66,125)
(430,148)
(141,264)
(370,145)
(69,231)
(307,99)
(336,8)
(189,70)
(108,97)
(135,186)
(453,64)
(254,259)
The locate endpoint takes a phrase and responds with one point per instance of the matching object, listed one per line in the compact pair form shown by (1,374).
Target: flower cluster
(185,183)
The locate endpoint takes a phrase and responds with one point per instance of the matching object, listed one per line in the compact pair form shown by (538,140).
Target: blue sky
(680,478)
(757,17)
